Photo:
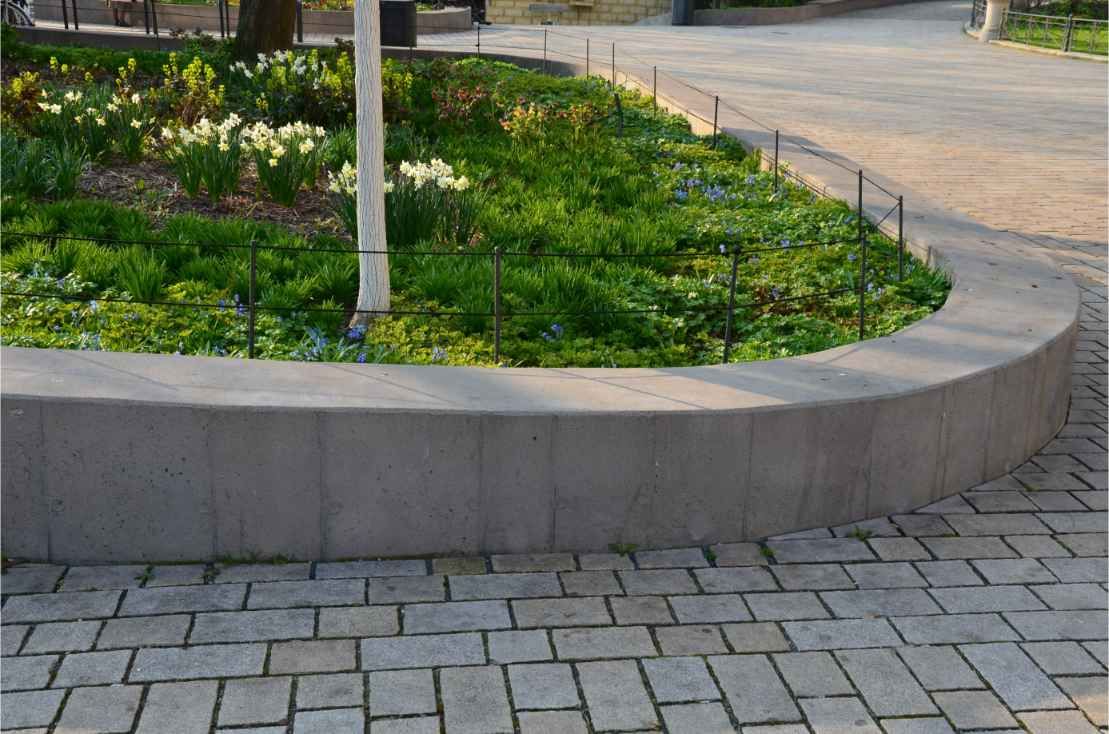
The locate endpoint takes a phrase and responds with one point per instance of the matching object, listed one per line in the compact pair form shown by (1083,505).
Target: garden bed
(617,232)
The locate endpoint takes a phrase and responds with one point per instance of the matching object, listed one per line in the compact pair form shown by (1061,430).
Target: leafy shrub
(206,155)
(189,95)
(19,99)
(64,165)
(286,158)
(41,168)
(286,86)
(141,274)
(78,119)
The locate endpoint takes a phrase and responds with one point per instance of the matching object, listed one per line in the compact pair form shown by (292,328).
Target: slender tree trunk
(373,269)
(264,26)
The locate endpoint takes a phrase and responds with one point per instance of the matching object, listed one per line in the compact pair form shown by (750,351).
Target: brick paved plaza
(983,612)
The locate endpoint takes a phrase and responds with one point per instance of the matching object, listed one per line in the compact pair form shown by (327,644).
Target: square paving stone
(1051,481)
(879,602)
(101,578)
(813,674)
(974,710)
(455,616)
(543,686)
(756,637)
(358,622)
(314,656)
(920,725)
(548,722)
(519,647)
(1014,571)
(336,593)
(690,639)
(939,668)
(825,550)
(739,554)
(786,605)
(177,575)
(207,661)
(697,718)
(1062,658)
(1057,502)
(841,633)
(1075,522)
(673,558)
(949,573)
(922,525)
(364,569)
(396,589)
(1089,694)
(839,715)
(739,578)
(183,708)
(175,599)
(950,629)
(877,527)
(504,586)
(422,651)
(463,566)
(92,668)
(605,562)
(475,701)
(590,583)
(615,696)
(753,689)
(1071,596)
(100,709)
(1056,722)
(1000,502)
(1013,675)
(812,577)
(1070,625)
(24,673)
(1037,546)
(715,608)
(899,549)
(269,624)
(255,701)
(1086,544)
(244,572)
(588,643)
(657,582)
(1067,570)
(144,631)
(885,683)
(413,725)
(966,548)
(533,562)
(960,600)
(30,579)
(677,679)
(560,612)
(997,524)
(34,708)
(62,637)
(885,575)
(951,505)
(330,721)
(11,637)
(61,607)
(332,690)
(401,692)
(641,610)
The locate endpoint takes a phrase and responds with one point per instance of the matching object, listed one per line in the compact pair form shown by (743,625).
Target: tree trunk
(373,269)
(264,26)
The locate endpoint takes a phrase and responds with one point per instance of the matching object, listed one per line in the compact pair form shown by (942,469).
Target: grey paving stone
(714,608)
(828,715)
(144,631)
(722,580)
(27,672)
(358,622)
(605,562)
(841,633)
(641,610)
(939,668)
(653,583)
(207,661)
(1015,677)
(1099,650)
(30,579)
(475,700)
(677,679)
(32,708)
(922,725)
(885,683)
(950,629)
(867,528)
(270,624)
(422,651)
(255,701)
(786,605)
(549,722)
(1068,570)
(590,583)
(967,548)
(504,586)
(101,578)
(672,558)
(92,668)
(1000,502)
(821,550)
(62,637)
(1056,502)
(312,656)
(1051,481)
(1086,544)
(1056,722)
(776,729)
(177,599)
(922,525)
(519,647)
(812,674)
(402,692)
(691,639)
(974,710)
(753,689)
(589,643)
(1075,522)
(533,562)
(543,686)
(997,524)
(244,572)
(1037,546)
(949,573)
(1070,625)
(1097,499)
(697,718)
(176,575)
(362,569)
(809,534)
(899,549)
(336,593)
(61,607)
(183,708)
(1014,571)
(879,602)
(615,695)
(329,690)
(1007,483)
(812,577)
(947,506)
(462,566)
(885,575)
(330,721)
(12,636)
(398,589)
(1090,695)
(414,725)
(254,730)
(560,612)
(455,616)
(1063,658)
(738,554)
(987,599)
(1071,596)
(99,709)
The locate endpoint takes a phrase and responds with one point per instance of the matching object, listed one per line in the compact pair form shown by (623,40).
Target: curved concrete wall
(791,14)
(128,457)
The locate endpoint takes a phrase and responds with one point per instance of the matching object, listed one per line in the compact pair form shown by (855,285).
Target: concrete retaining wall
(780,16)
(129,457)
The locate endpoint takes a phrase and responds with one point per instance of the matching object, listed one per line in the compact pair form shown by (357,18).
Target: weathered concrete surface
(791,14)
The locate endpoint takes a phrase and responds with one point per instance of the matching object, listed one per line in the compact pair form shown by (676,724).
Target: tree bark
(264,26)
(373,269)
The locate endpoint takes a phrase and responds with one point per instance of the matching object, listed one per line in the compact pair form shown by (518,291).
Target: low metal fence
(1063,32)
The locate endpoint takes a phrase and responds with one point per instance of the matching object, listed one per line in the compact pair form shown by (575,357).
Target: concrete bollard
(991,27)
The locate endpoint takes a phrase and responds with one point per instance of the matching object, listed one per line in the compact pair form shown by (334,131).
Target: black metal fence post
(76,27)
(614,65)
(775,161)
(219,12)
(1067,34)
(146,16)
(300,21)
(479,40)
(251,297)
(862,263)
(715,117)
(497,304)
(65,15)
(654,87)
(544,50)
(587,58)
(154,15)
(900,238)
(619,115)
(731,307)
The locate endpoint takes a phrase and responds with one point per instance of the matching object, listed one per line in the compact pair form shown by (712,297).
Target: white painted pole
(373,269)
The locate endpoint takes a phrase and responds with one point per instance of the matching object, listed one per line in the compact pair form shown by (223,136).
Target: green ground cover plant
(480,155)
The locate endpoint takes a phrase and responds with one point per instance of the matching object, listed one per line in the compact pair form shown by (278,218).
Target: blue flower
(750,180)
(775,293)
(852,257)
(222,304)
(681,195)
(438,354)
(356,332)
(556,330)
(785,242)
(361,358)
(94,306)
(546,336)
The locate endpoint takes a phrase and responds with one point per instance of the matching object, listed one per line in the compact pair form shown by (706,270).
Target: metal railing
(977,13)
(1063,32)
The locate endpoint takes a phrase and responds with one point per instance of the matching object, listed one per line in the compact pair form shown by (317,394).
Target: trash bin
(398,23)
(681,12)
